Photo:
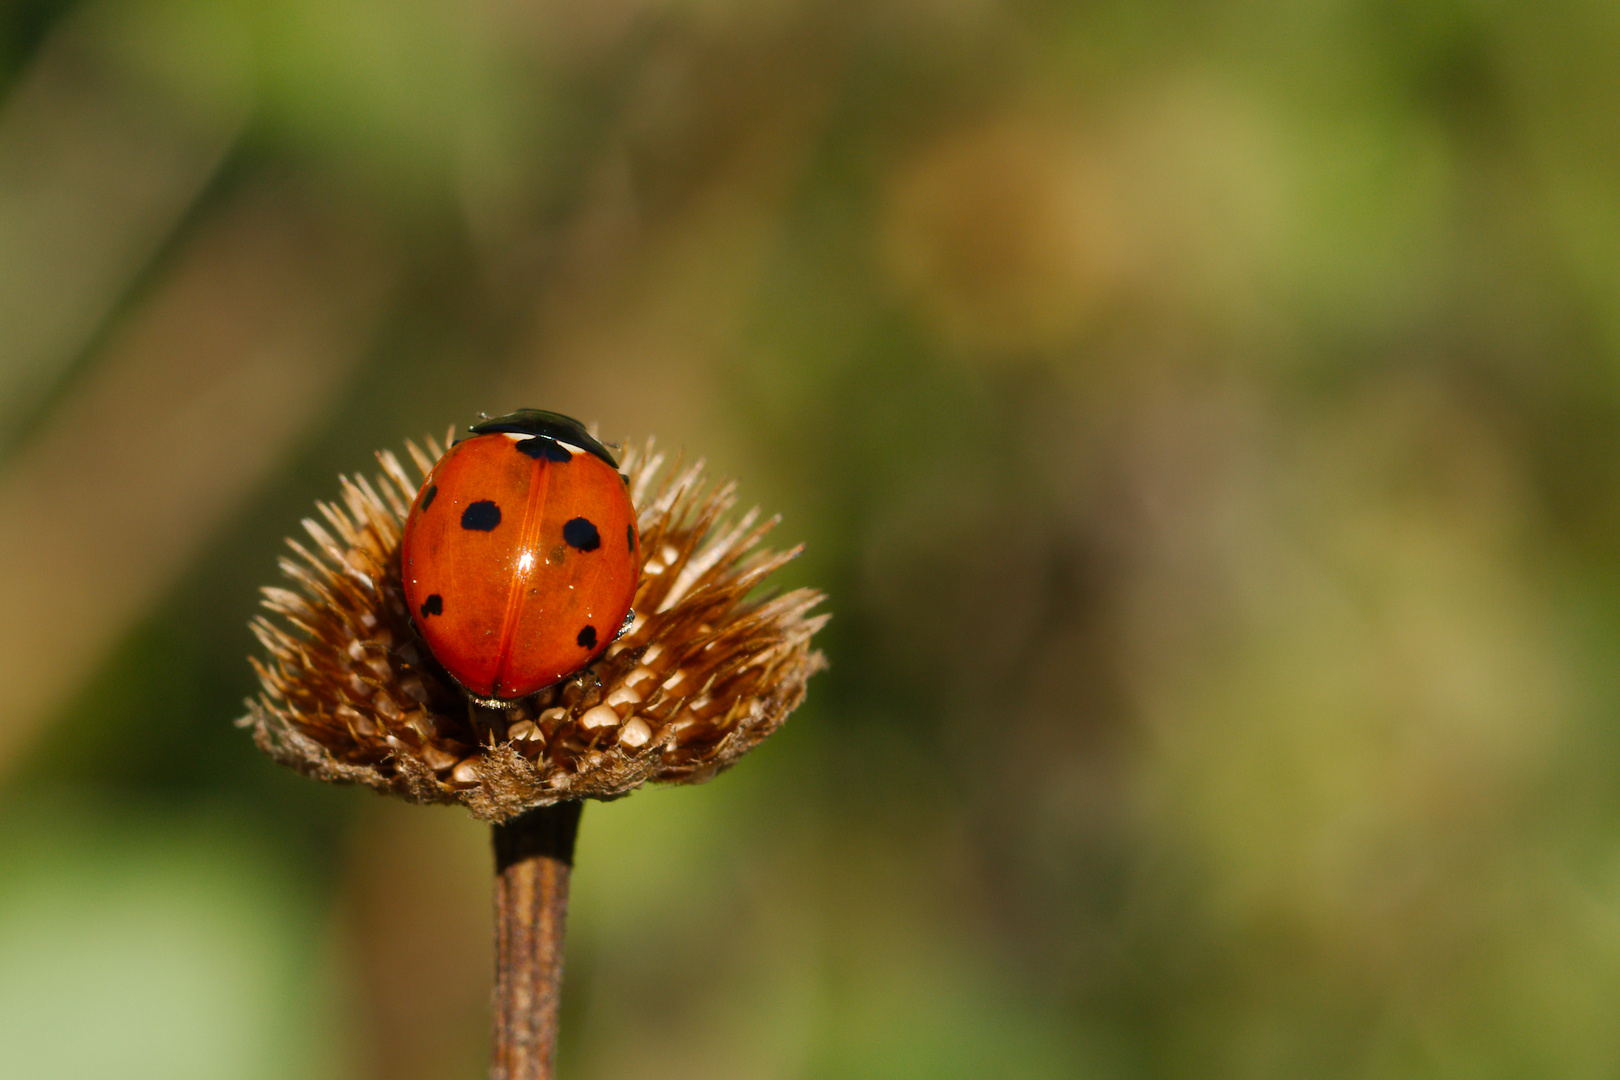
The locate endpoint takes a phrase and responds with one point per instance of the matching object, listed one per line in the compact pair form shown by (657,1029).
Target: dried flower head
(350,694)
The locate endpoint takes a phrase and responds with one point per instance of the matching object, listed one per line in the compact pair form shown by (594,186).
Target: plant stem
(533,854)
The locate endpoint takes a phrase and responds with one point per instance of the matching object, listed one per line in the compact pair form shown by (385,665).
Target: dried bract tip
(351,695)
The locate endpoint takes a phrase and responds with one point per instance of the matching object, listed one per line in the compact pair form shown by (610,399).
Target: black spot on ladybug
(540,447)
(429,495)
(626,478)
(581,534)
(587,637)
(481,516)
(629,537)
(433,605)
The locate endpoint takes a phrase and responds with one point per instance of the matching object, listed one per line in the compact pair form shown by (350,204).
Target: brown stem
(533,854)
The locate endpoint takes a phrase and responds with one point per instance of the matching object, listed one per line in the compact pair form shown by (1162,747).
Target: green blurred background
(1205,419)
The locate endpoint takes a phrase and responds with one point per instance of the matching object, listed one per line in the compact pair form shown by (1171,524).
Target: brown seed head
(350,695)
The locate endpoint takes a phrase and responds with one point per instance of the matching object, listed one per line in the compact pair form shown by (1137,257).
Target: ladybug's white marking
(525,436)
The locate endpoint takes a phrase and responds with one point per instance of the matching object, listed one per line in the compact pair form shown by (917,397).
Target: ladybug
(520,555)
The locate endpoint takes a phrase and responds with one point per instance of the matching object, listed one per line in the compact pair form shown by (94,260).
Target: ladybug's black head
(547,425)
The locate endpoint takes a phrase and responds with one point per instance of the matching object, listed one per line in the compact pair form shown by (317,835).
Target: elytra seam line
(539,487)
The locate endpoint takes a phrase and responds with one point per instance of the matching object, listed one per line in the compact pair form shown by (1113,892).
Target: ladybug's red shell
(520,555)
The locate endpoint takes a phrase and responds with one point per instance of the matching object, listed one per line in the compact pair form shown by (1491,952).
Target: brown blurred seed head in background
(703,674)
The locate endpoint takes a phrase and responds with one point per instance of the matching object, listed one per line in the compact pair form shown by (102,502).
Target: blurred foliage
(1205,418)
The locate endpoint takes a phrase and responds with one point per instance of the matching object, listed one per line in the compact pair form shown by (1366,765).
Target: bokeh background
(1204,418)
